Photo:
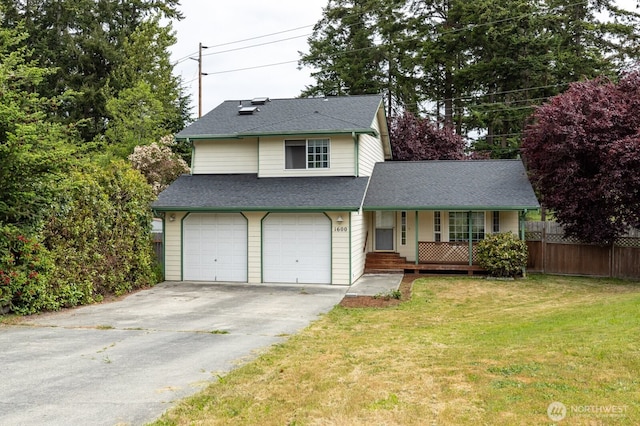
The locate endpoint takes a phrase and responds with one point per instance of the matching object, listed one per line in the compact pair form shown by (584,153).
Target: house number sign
(340,228)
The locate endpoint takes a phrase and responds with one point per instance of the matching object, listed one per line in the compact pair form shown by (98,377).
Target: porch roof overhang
(248,192)
(450,185)
(449,208)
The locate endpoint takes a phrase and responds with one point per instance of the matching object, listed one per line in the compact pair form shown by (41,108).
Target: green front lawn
(463,351)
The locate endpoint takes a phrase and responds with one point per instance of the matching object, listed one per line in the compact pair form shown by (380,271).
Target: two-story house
(301,190)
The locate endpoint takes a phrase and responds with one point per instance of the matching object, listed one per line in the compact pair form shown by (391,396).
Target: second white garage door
(296,248)
(215,247)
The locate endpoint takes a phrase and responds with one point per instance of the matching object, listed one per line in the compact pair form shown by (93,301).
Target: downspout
(523,215)
(470,225)
(356,147)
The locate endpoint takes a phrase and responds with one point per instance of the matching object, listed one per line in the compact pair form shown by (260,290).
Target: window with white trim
(403,228)
(437,227)
(459,226)
(307,154)
(496,222)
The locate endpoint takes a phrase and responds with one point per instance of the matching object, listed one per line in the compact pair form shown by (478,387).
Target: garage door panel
(297,248)
(215,247)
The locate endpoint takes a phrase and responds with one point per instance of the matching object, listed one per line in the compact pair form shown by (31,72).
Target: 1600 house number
(340,228)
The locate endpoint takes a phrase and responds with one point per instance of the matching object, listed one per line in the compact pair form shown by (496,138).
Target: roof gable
(343,114)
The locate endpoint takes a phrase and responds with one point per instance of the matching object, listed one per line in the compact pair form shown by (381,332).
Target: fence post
(543,247)
(612,256)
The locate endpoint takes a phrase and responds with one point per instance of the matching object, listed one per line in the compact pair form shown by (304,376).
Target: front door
(385,224)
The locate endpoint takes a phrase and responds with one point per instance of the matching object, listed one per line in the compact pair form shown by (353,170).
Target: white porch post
(470,226)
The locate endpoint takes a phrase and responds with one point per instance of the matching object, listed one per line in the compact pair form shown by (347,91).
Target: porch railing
(450,253)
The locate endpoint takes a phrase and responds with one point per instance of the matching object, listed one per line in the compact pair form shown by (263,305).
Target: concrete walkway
(375,284)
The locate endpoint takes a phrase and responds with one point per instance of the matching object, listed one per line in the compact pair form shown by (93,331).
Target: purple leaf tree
(414,138)
(583,156)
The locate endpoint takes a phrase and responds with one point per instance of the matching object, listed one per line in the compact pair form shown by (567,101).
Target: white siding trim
(173,246)
(358,231)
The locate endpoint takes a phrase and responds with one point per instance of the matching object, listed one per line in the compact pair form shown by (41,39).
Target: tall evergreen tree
(343,50)
(32,150)
(358,48)
(86,42)
(478,67)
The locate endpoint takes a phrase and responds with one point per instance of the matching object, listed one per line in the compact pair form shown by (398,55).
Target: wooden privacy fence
(157,247)
(550,252)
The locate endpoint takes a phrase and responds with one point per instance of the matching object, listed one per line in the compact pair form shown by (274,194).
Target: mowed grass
(462,351)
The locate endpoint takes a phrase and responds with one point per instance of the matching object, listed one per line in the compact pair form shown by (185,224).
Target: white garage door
(215,247)
(297,248)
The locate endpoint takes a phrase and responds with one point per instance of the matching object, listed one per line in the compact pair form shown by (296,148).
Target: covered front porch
(434,240)
(430,215)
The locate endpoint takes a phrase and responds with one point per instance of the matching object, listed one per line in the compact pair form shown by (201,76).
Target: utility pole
(200,74)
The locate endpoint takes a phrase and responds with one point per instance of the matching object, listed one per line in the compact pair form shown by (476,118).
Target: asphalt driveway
(126,362)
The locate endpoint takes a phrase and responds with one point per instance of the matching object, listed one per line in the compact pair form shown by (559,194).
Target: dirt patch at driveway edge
(382,301)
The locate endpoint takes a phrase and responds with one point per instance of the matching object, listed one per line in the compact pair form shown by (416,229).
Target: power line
(255,45)
(253,68)
(261,36)
(351,51)
(186,57)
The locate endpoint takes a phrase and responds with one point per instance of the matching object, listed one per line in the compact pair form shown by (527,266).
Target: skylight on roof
(247,110)
(259,101)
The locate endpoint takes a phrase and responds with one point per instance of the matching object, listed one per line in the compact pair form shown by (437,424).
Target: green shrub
(502,255)
(25,266)
(100,234)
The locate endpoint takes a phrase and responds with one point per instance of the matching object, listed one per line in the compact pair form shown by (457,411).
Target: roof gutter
(317,209)
(372,132)
(451,208)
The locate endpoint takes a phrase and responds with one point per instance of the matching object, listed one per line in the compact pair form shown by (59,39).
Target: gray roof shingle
(450,185)
(248,192)
(288,116)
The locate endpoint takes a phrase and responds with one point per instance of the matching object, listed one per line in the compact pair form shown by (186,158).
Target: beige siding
(369,153)
(358,231)
(254,255)
(340,256)
(509,222)
(225,156)
(173,246)
(342,157)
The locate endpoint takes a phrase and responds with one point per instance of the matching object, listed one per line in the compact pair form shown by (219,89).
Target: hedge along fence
(551,252)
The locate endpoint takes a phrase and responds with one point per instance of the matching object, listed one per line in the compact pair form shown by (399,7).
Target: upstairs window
(307,154)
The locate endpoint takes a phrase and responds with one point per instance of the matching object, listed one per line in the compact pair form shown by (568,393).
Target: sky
(214,23)
(221,25)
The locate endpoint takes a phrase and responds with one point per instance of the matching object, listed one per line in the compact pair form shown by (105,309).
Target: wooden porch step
(377,262)
(388,262)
